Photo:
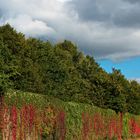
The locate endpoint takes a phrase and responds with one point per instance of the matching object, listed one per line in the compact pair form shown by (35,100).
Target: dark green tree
(62,71)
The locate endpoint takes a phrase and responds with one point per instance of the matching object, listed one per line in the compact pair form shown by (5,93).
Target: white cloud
(59,19)
(136,79)
(64,0)
(30,27)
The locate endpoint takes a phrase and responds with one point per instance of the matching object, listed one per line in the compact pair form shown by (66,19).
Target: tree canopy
(62,71)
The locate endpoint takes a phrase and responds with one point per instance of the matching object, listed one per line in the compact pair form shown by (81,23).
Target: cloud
(30,27)
(108,29)
(124,13)
(132,1)
(136,79)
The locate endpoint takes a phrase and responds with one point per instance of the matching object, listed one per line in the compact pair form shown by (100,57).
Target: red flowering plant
(85,124)
(27,122)
(13,120)
(5,123)
(61,125)
(134,127)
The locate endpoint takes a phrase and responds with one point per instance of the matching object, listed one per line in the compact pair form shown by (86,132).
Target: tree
(115,98)
(62,71)
(133,98)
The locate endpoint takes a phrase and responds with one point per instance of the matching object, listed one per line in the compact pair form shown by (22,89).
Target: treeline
(60,70)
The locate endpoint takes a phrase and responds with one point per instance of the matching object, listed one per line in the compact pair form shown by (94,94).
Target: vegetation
(62,71)
(50,118)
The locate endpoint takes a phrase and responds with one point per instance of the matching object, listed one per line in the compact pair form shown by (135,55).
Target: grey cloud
(119,13)
(127,18)
(89,10)
(108,29)
(133,1)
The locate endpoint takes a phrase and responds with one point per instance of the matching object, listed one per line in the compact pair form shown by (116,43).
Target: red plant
(61,125)
(101,126)
(34,123)
(85,122)
(120,127)
(24,121)
(14,122)
(112,128)
(98,125)
(115,127)
(31,117)
(134,127)
(28,122)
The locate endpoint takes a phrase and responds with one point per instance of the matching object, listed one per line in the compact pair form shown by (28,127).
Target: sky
(129,67)
(109,30)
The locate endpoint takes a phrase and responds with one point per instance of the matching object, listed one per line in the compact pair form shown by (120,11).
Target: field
(28,116)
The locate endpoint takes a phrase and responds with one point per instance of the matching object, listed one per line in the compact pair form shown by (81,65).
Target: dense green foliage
(62,71)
